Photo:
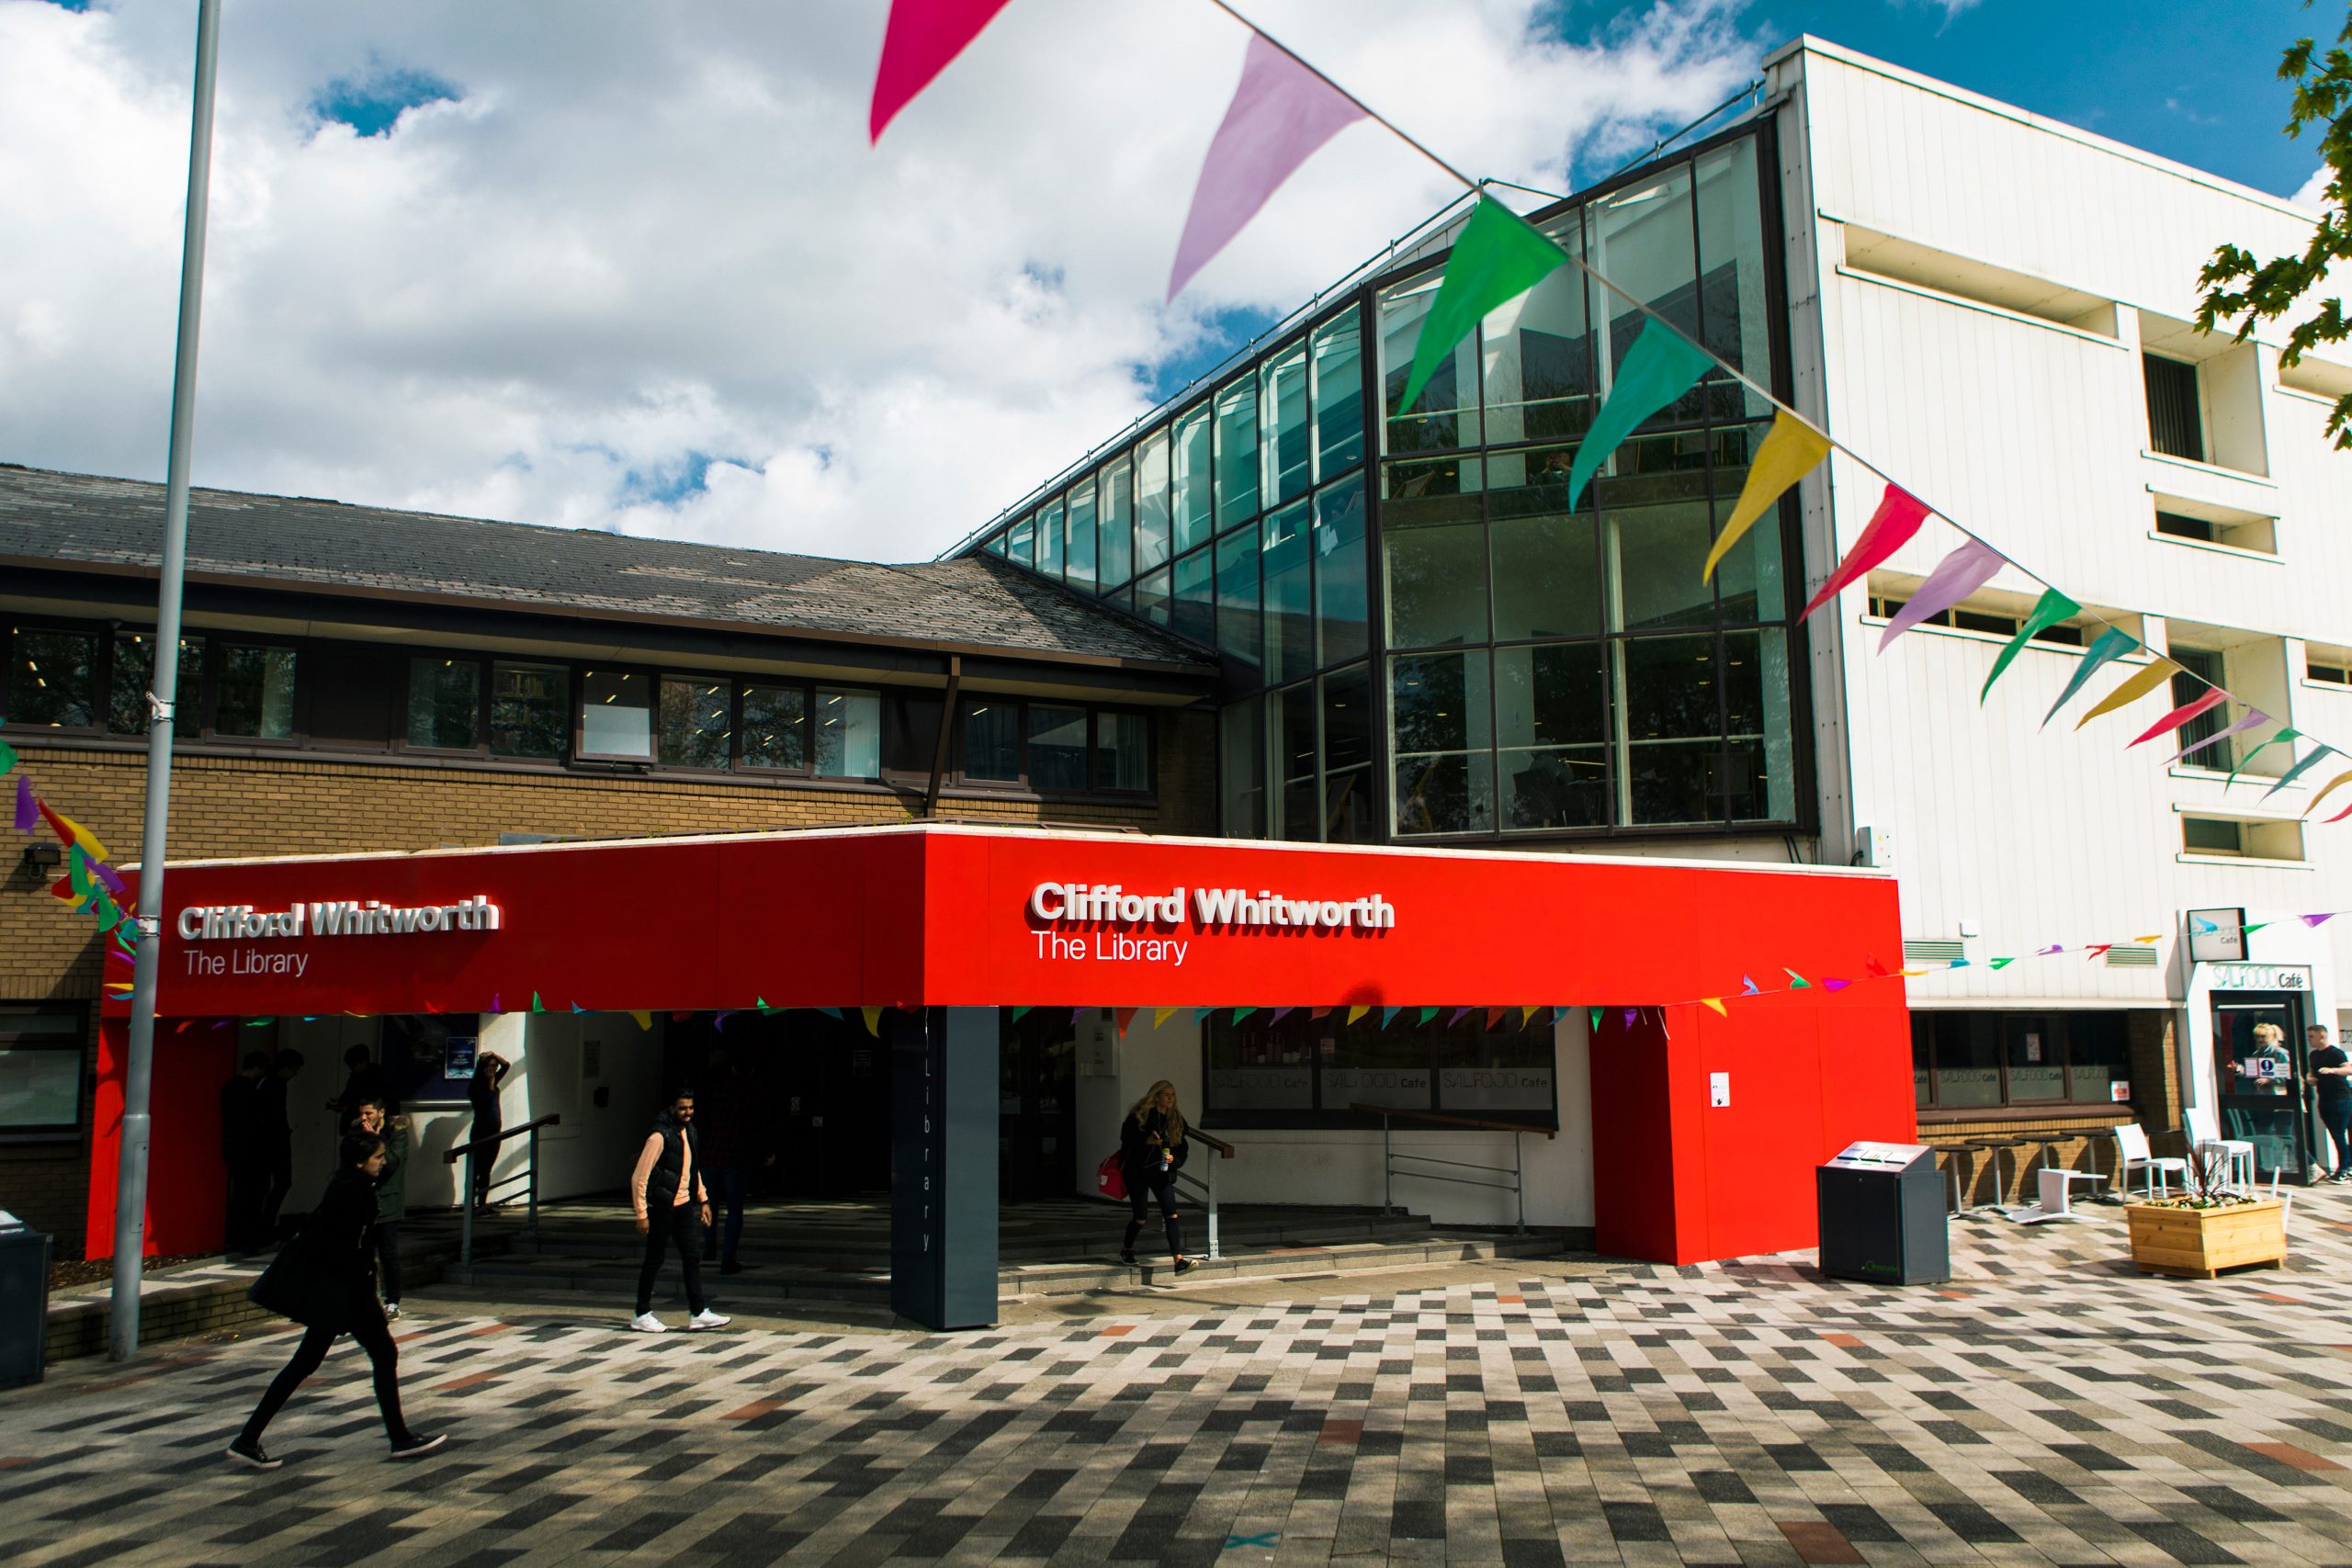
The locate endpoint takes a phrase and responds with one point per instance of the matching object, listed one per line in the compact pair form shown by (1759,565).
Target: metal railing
(1389,1157)
(487,1148)
(1205,1183)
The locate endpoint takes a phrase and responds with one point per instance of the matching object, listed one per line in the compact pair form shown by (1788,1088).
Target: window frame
(1432,1036)
(2061,1022)
(78,1044)
(1096,787)
(101,674)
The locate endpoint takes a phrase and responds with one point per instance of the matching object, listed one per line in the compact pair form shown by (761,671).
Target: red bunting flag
(922,38)
(1126,1017)
(1898,517)
(2182,714)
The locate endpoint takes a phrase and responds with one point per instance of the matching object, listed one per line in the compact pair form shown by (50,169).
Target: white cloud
(648,240)
(2314,190)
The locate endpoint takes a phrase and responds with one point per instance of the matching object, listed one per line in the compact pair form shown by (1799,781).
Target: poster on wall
(458,1058)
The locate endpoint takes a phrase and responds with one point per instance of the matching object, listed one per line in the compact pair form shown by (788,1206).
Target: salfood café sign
(1145,927)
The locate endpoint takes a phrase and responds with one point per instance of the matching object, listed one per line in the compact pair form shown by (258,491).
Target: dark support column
(943,1165)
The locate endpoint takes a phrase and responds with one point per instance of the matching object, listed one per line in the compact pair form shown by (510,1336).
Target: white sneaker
(645,1323)
(708,1319)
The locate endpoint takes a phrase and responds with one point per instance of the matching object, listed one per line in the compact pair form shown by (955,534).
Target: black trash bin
(1882,1212)
(24,1301)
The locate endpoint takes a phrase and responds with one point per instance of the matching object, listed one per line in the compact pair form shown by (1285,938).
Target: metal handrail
(1516,1170)
(472,1151)
(1205,1184)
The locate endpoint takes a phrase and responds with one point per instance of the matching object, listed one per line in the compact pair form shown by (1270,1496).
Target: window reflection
(54,678)
(694,728)
(1339,549)
(1283,435)
(1154,519)
(1441,729)
(775,727)
(1114,509)
(1337,349)
(1282,558)
(1237,452)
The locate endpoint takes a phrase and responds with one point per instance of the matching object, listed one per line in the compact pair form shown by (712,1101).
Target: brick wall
(310,803)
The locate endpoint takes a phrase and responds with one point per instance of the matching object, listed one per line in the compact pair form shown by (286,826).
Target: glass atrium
(1420,640)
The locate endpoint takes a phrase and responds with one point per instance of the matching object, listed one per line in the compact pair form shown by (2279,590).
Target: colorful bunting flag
(1078,1015)
(1497,259)
(1459,1014)
(258,1022)
(2296,771)
(718,1020)
(1388,1016)
(1631,1014)
(7,759)
(1717,1003)
(1832,984)
(2151,936)
(1660,366)
(2003,963)
(71,832)
(1796,981)
(833,1013)
(1160,1016)
(2182,715)
(2198,925)
(2327,789)
(2106,648)
(1596,1021)
(2286,735)
(1280,114)
(1958,964)
(27,815)
(1123,1016)
(537,1006)
(873,1015)
(2095,949)
(1240,1013)
(2317,920)
(644,1017)
(1280,1013)
(2133,688)
(2249,930)
(2253,717)
(1957,576)
(2047,611)
(2054,947)
(1428,1013)
(921,39)
(1494,1017)
(1874,968)
(494,1001)
(1020,1013)
(1898,517)
(1791,450)
(1356,1012)
(1748,986)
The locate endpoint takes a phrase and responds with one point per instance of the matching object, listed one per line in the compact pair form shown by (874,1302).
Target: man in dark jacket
(273,1138)
(672,1205)
(240,1153)
(363,1080)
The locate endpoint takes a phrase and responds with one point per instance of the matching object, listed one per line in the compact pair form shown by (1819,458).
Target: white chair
(2132,1153)
(2205,1129)
(2055,1188)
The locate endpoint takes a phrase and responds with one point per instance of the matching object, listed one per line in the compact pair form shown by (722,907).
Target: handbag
(1111,1178)
(285,1286)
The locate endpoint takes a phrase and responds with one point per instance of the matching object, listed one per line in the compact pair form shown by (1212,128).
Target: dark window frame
(1094,789)
(101,674)
(216,647)
(77,1044)
(1317,1115)
(2059,1023)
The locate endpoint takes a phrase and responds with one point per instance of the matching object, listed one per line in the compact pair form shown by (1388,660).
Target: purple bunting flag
(1748,986)
(1956,577)
(2317,920)
(1280,114)
(2253,717)
(28,814)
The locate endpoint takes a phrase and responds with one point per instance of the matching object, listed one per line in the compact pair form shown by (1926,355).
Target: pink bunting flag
(2253,717)
(2317,920)
(1280,114)
(922,39)
(1459,1014)
(1898,517)
(1833,985)
(2182,714)
(1282,1013)
(1957,576)
(28,813)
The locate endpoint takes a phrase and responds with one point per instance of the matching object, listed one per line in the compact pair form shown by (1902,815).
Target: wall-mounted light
(43,857)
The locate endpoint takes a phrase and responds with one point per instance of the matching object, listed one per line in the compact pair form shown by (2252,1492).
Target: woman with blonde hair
(1151,1150)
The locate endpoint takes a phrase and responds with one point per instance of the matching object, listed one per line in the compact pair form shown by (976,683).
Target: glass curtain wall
(1434,643)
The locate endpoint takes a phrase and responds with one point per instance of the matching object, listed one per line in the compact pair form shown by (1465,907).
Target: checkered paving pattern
(2049,1406)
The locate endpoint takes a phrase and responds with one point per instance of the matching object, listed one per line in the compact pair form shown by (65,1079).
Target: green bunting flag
(1497,259)
(7,759)
(537,1006)
(2052,608)
(1020,1013)
(1660,366)
(1427,1014)
(2003,962)
(2287,734)
(1596,1021)
(2292,774)
(2112,644)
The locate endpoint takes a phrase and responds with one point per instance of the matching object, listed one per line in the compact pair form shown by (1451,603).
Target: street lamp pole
(131,1182)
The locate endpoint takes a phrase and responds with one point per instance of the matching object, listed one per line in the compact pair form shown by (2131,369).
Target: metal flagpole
(130,1181)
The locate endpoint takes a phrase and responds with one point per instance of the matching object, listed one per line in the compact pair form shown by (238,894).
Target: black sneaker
(1128,1256)
(731,1268)
(247,1452)
(1184,1266)
(412,1446)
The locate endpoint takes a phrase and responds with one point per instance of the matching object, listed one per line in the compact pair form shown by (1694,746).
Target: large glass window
(1642,240)
(1537,354)
(1196,513)
(134,663)
(254,694)
(1673,728)
(1237,452)
(1078,556)
(992,740)
(1282,434)
(1152,591)
(529,710)
(849,734)
(1020,543)
(1437,585)
(1341,631)
(1057,749)
(1337,350)
(1441,718)
(1237,616)
(53,679)
(1732,307)
(1154,501)
(40,1070)
(1963,1061)
(1049,539)
(1446,413)
(1349,716)
(1241,768)
(1195,597)
(1297,797)
(445,704)
(1116,511)
(1302,1070)
(694,728)
(1551,734)
(1290,626)
(775,727)
(1122,752)
(616,714)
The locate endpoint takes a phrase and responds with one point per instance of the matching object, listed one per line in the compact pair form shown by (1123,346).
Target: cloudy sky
(631,263)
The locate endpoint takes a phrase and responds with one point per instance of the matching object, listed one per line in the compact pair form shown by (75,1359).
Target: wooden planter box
(2198,1244)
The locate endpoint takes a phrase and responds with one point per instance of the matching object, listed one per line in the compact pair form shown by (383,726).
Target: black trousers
(484,1127)
(667,1225)
(387,1259)
(2337,1120)
(276,1180)
(1161,1185)
(367,1328)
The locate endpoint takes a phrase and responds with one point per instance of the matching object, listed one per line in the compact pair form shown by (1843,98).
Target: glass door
(1037,1105)
(2257,1070)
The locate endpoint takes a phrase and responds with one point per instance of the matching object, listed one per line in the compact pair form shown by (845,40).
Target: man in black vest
(673,1206)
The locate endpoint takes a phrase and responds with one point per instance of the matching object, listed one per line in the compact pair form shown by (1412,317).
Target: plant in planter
(2211,1227)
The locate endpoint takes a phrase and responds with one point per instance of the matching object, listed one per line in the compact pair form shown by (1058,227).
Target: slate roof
(284,542)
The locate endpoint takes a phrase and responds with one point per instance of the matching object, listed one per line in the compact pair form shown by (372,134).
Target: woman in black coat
(1151,1150)
(323,1280)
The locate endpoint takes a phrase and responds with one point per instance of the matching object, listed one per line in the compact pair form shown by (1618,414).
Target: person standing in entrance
(391,1197)
(1151,1150)
(481,1092)
(731,1131)
(273,1138)
(248,1170)
(673,1205)
(2331,1083)
(320,1282)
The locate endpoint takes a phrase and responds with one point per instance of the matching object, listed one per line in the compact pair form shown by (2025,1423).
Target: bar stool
(1993,1145)
(1951,1152)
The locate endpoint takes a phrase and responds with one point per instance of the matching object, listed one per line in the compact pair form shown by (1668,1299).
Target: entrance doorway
(2258,1077)
(1037,1104)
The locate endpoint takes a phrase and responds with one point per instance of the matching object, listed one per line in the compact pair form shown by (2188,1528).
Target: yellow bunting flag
(1162,1015)
(644,1018)
(2158,672)
(873,1021)
(2151,936)
(1717,1003)
(1356,1012)
(1790,452)
(2327,789)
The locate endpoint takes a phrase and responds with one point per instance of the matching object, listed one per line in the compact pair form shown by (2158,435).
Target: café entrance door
(2258,1077)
